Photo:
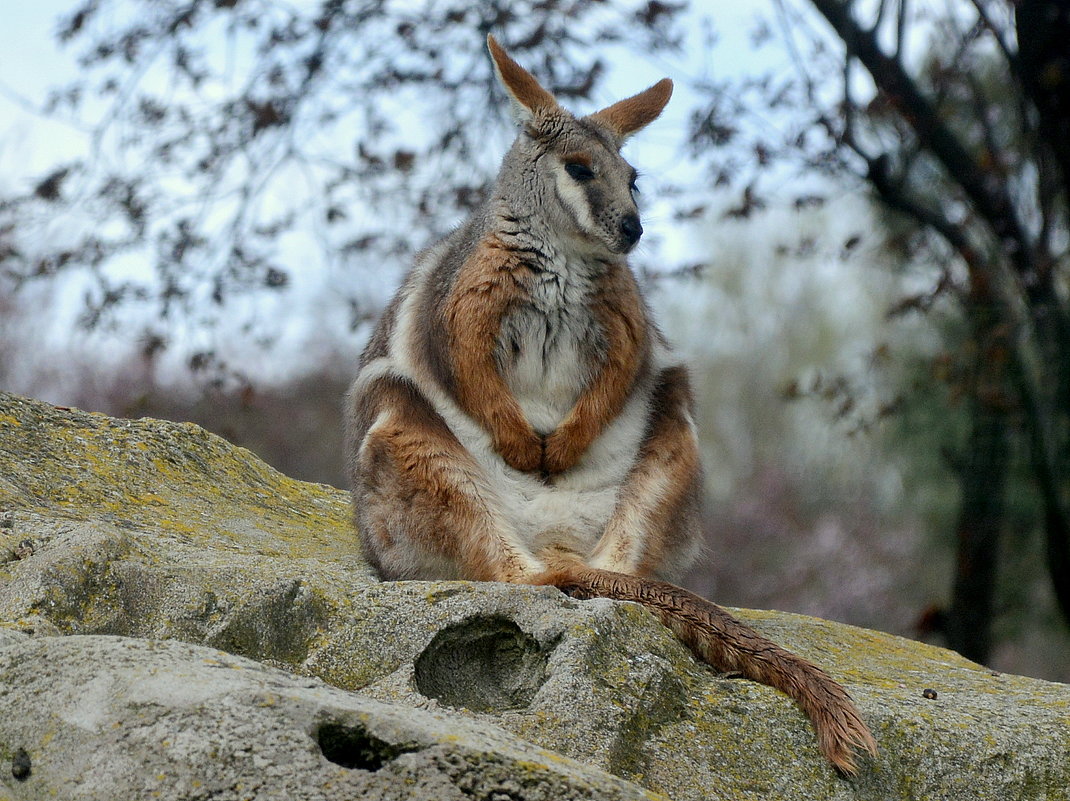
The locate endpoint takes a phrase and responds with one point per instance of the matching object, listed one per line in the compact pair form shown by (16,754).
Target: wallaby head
(569,170)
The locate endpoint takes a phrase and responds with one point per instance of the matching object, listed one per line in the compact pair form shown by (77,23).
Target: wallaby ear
(528,97)
(627,116)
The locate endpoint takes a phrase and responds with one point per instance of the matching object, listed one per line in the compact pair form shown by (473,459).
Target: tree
(960,121)
(233,144)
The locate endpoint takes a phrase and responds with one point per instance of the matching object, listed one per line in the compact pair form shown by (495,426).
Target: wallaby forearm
(620,312)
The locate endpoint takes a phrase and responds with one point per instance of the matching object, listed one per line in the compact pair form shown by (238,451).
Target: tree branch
(900,27)
(1025,375)
(997,34)
(988,197)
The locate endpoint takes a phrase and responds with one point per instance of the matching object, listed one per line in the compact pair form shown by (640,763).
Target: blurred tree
(958,119)
(231,142)
(806,498)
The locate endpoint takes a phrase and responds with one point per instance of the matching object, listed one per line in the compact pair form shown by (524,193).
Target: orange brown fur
(619,310)
(517,416)
(520,82)
(633,113)
(668,469)
(413,454)
(720,640)
(488,283)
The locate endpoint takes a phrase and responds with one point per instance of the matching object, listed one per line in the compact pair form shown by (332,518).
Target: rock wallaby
(518,416)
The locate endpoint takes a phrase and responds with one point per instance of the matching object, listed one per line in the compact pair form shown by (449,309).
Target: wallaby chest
(549,343)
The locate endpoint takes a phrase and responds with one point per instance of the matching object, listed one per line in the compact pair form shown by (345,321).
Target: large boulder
(143,564)
(102,717)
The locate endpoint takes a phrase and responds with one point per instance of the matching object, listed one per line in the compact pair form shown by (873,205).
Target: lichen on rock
(138,549)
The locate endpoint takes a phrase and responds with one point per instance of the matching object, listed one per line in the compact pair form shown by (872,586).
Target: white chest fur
(545,347)
(542,352)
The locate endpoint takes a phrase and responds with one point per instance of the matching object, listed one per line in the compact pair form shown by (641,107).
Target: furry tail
(720,640)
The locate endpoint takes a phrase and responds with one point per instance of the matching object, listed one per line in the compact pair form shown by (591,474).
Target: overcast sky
(31,62)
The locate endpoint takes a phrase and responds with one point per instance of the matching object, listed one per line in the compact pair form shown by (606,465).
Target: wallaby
(518,417)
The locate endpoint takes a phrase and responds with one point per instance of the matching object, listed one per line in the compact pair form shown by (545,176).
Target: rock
(138,553)
(119,717)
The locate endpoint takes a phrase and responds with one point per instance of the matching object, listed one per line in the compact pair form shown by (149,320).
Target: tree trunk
(1043,64)
(1026,284)
(1043,28)
(983,480)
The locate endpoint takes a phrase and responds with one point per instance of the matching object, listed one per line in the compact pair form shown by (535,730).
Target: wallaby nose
(631,228)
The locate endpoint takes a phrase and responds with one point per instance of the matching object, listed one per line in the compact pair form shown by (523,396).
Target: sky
(31,62)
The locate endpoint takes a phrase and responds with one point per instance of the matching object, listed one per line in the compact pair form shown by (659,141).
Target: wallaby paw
(561,452)
(521,451)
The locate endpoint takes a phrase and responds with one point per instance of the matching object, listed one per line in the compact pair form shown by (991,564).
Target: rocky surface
(121,717)
(141,560)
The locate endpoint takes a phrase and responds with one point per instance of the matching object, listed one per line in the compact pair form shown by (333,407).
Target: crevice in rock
(273,624)
(484,663)
(354,747)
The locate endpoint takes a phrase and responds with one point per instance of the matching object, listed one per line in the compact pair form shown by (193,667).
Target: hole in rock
(486,664)
(355,747)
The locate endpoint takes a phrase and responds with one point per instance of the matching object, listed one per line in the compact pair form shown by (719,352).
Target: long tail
(720,640)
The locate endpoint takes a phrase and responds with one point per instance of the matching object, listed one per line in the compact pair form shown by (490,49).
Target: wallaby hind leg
(423,506)
(654,529)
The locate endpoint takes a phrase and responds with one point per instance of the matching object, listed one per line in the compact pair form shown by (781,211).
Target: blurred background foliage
(859,240)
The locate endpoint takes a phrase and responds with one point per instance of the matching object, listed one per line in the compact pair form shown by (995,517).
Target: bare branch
(900,28)
(787,36)
(881,8)
(997,34)
(988,197)
(894,196)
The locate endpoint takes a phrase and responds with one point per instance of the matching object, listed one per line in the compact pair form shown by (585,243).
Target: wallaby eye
(579,172)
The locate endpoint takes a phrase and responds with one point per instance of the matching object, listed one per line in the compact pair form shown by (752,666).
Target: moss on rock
(159,531)
(185,484)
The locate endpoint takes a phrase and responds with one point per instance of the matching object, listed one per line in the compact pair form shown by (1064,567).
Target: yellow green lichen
(189,537)
(179,479)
